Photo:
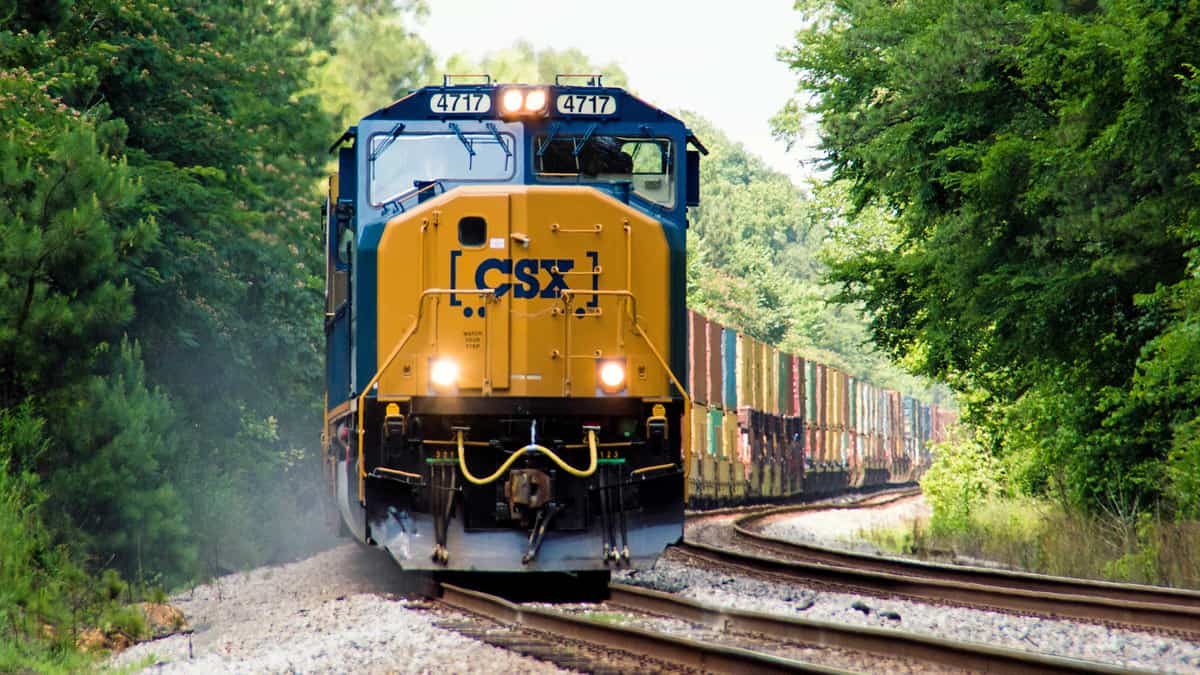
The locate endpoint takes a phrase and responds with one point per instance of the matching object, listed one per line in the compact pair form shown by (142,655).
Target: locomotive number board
(586,104)
(460,103)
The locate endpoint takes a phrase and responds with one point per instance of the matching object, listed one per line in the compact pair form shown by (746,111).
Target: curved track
(689,653)
(1146,607)
(673,650)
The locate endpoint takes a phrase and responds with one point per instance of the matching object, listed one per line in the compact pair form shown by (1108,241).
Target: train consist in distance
(508,349)
(769,426)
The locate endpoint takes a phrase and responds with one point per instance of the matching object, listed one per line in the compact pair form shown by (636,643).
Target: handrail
(686,431)
(595,78)
(631,307)
(593,456)
(447,78)
(399,200)
(412,330)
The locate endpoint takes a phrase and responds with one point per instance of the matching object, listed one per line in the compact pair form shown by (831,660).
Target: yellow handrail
(362,397)
(584,473)
(686,431)
(656,467)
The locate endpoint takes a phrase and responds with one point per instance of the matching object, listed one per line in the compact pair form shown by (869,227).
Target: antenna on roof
(593,79)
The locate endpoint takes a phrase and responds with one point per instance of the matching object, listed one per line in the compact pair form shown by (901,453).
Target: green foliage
(756,254)
(121,491)
(1039,163)
(1050,538)
(125,619)
(522,63)
(160,165)
(962,477)
(37,578)
(375,58)
(61,291)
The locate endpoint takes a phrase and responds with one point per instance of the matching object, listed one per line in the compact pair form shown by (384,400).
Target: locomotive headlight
(512,100)
(535,100)
(444,373)
(612,376)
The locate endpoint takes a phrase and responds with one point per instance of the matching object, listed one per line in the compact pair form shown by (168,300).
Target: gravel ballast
(336,612)
(842,527)
(728,587)
(1103,644)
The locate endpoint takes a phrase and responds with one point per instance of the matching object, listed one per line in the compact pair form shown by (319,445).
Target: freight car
(506,327)
(770,426)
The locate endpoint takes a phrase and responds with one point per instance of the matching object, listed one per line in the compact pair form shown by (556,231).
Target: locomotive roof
(418,105)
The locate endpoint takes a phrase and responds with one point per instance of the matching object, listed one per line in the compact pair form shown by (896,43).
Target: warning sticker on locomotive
(586,104)
(460,103)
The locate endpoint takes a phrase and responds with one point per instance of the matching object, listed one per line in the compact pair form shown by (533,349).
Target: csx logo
(533,278)
(524,278)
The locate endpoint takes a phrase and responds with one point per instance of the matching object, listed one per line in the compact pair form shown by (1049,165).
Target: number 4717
(460,103)
(585,104)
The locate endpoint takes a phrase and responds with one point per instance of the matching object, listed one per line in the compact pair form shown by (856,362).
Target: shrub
(963,474)
(37,578)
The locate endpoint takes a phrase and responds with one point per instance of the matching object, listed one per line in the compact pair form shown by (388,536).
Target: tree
(1037,159)
(121,487)
(757,251)
(523,63)
(202,244)
(62,292)
(375,58)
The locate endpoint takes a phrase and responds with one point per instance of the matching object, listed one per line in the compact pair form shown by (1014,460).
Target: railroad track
(877,645)
(1134,605)
(669,649)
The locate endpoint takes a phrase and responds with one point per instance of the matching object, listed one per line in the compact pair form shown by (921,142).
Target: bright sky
(714,58)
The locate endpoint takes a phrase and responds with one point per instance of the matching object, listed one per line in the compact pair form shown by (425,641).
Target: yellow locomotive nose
(519,291)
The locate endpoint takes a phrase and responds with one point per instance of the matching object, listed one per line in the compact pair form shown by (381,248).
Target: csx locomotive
(506,327)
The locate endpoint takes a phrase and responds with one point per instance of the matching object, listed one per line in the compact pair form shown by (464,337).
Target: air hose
(532,447)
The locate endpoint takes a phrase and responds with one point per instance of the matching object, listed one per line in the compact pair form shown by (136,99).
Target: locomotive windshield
(403,163)
(643,162)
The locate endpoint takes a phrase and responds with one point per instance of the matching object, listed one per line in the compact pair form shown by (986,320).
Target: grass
(1043,537)
(35,656)
(606,617)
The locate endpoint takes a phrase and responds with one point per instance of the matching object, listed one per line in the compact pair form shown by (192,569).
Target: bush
(38,580)
(963,474)
(1050,538)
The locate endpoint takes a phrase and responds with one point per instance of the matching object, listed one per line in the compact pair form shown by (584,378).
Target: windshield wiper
(391,138)
(466,144)
(499,139)
(587,136)
(549,137)
(503,146)
(463,139)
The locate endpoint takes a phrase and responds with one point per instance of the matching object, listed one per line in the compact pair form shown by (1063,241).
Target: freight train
(508,348)
(770,426)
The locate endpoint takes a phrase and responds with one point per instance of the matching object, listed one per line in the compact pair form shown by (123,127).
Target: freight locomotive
(508,349)
(506,327)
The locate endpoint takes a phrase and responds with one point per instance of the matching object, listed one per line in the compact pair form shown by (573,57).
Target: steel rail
(1140,606)
(673,649)
(885,496)
(1140,614)
(1139,594)
(884,642)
